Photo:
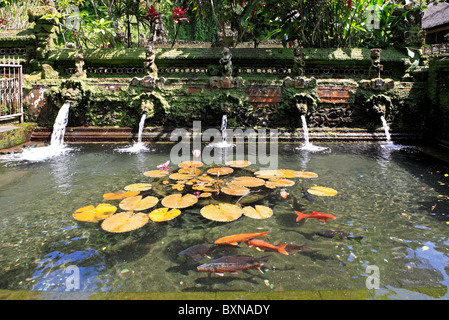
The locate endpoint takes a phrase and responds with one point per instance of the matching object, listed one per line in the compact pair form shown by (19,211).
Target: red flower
(178,15)
(349,4)
(152,14)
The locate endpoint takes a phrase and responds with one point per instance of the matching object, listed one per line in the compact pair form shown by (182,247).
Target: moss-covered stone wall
(437,111)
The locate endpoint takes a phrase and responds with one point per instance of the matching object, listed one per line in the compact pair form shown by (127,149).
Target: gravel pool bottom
(396,199)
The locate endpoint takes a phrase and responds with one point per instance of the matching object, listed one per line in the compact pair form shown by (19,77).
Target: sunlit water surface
(395,198)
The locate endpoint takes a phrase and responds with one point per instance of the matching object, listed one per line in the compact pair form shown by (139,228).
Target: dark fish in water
(337,234)
(290,247)
(197,252)
(308,195)
(233,264)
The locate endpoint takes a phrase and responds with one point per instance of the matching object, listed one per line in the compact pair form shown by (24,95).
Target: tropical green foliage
(313,23)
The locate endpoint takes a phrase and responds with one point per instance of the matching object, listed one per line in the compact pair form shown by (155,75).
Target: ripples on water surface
(396,199)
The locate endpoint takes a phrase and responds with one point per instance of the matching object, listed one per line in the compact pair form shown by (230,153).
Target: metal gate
(10,89)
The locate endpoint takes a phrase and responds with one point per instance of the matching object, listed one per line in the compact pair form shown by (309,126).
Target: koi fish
(242,237)
(337,234)
(284,194)
(308,195)
(233,264)
(315,215)
(290,247)
(265,245)
(197,252)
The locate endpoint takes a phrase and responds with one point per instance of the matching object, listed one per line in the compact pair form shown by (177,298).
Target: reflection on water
(396,199)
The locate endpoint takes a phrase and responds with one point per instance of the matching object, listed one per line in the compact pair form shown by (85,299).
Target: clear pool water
(397,199)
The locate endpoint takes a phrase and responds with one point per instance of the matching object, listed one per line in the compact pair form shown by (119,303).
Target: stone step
(121,135)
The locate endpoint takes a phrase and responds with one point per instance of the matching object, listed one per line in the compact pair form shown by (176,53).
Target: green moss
(15,137)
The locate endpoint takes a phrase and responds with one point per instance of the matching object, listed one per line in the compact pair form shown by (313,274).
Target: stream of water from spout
(57,146)
(389,143)
(138,146)
(308,146)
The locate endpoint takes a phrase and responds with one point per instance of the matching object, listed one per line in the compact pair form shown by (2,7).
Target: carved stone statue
(298,61)
(79,64)
(149,64)
(160,33)
(147,107)
(376,67)
(226,62)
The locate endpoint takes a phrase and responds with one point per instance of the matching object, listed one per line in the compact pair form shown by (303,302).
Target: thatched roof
(436,15)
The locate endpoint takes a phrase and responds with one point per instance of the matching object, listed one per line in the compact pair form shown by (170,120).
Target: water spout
(57,136)
(138,146)
(308,146)
(389,142)
(386,130)
(224,135)
(57,146)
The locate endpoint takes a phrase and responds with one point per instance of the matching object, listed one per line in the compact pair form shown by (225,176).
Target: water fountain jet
(389,143)
(308,146)
(57,146)
(138,146)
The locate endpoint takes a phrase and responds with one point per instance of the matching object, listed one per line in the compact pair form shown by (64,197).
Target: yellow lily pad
(125,221)
(222,212)
(94,214)
(155,173)
(322,191)
(305,174)
(190,164)
(164,214)
(257,212)
(119,195)
(138,187)
(138,203)
(238,163)
(220,171)
(234,190)
(179,201)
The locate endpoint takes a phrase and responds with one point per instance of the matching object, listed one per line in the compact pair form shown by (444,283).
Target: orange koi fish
(242,237)
(266,245)
(315,215)
(284,194)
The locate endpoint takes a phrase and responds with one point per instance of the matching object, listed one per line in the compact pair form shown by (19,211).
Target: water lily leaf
(279,183)
(190,171)
(138,187)
(179,201)
(248,181)
(180,176)
(164,214)
(190,164)
(119,195)
(94,214)
(220,171)
(238,163)
(155,173)
(125,221)
(138,203)
(258,212)
(234,190)
(305,174)
(322,191)
(222,212)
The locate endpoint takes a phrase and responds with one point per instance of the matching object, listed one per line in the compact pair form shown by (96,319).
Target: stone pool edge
(340,294)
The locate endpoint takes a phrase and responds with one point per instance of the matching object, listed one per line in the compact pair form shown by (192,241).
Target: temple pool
(396,200)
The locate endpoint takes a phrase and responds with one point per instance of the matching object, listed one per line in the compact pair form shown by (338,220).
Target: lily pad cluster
(217,189)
